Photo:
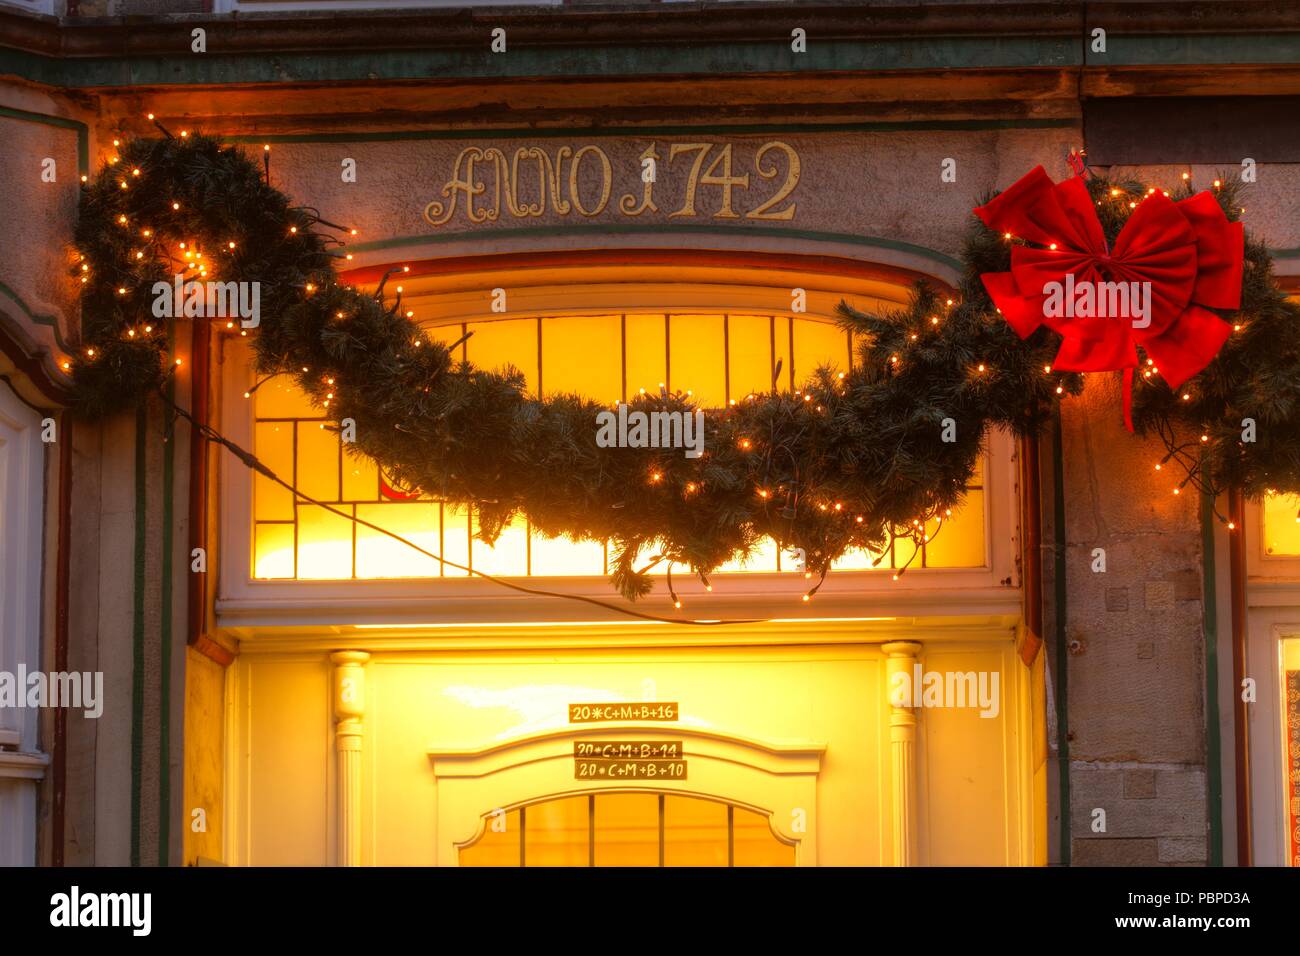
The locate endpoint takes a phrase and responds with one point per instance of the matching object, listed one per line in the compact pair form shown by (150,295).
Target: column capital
(340,658)
(901,648)
(349,685)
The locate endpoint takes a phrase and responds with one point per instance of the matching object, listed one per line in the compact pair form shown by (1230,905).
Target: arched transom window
(716,353)
(627,829)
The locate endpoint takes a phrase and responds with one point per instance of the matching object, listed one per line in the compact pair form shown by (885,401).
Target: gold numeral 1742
(719,173)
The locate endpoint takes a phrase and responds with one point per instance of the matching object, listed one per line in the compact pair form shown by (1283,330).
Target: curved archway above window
(604,323)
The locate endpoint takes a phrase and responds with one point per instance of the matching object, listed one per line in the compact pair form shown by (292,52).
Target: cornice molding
(643,25)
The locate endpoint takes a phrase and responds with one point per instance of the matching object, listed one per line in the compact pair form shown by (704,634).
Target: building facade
(612,199)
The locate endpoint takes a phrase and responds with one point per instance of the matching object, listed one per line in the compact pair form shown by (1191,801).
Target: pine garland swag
(852,460)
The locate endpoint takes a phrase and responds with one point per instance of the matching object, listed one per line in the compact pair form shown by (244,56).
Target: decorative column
(901,656)
(349,709)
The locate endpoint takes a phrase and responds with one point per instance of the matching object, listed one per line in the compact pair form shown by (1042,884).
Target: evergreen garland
(854,459)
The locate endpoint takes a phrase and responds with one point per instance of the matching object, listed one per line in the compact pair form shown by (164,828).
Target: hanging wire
(256,464)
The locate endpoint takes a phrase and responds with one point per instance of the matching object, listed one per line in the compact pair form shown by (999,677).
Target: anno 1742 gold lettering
(703,179)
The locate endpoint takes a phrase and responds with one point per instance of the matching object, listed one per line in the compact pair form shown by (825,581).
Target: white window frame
(1273,614)
(244,602)
(22,499)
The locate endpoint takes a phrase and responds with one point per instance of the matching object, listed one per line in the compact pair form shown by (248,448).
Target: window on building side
(717,356)
(1281,525)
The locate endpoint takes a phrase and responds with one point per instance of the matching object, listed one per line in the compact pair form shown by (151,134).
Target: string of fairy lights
(787,500)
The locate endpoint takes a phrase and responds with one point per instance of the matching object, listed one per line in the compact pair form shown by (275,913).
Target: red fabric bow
(1188,251)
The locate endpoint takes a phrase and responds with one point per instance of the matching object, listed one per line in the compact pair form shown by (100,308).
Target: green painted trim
(47,119)
(611,229)
(165,636)
(137,637)
(49,320)
(1059,641)
(1210,630)
(1195,49)
(390,136)
(904,54)
(901,54)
